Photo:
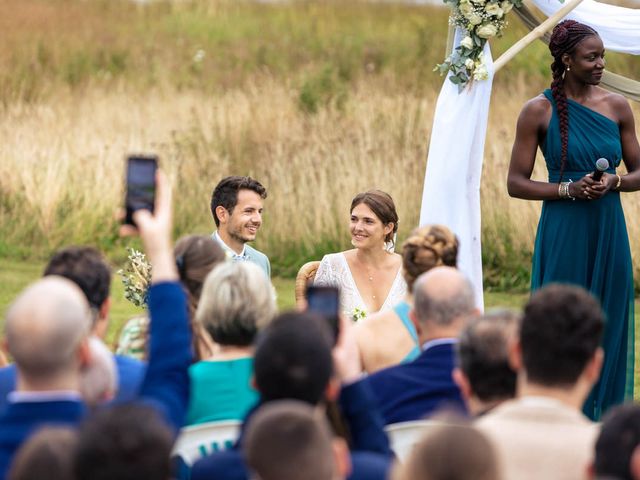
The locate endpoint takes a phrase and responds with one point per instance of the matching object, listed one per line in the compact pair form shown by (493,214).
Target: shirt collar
(437,342)
(229,252)
(45,396)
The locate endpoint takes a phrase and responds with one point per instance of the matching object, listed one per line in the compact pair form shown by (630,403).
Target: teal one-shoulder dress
(586,243)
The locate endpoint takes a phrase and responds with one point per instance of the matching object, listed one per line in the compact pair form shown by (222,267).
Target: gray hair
(442,295)
(237,300)
(45,327)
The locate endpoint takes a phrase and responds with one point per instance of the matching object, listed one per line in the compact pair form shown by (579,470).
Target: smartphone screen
(141,184)
(325,301)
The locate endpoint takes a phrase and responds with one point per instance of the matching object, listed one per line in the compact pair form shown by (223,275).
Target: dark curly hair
(564,39)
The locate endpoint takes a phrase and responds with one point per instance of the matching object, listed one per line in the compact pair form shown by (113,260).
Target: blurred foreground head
(289,440)
(293,359)
(126,442)
(618,446)
(47,330)
(451,450)
(47,454)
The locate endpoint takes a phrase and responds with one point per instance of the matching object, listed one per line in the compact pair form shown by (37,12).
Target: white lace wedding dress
(334,271)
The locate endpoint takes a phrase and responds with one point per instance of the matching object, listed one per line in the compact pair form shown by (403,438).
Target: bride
(369,276)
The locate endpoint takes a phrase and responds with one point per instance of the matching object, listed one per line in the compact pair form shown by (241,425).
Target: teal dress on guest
(402,311)
(221,390)
(585,242)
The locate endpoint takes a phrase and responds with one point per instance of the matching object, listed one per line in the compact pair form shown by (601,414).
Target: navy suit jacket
(412,391)
(371,455)
(130,375)
(165,385)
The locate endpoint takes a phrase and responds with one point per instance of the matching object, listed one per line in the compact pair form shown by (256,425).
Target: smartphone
(141,184)
(325,301)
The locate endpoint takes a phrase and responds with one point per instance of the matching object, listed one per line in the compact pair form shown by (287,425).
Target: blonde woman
(235,303)
(389,338)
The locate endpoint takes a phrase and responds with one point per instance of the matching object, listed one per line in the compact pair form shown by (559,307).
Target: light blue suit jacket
(250,253)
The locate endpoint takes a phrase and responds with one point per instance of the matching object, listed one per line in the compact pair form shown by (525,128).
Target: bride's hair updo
(428,247)
(564,39)
(382,205)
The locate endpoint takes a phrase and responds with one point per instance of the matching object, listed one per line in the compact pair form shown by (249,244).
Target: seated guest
(452,451)
(618,445)
(443,303)
(287,437)
(47,331)
(389,338)
(196,256)
(124,442)
(369,275)
(99,379)
(483,374)
(543,433)
(48,454)
(236,302)
(293,360)
(87,268)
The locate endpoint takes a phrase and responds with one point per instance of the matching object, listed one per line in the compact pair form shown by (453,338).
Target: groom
(236,206)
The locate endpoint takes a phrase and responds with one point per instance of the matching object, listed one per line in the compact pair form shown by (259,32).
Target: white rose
(474,19)
(494,9)
(479,2)
(466,9)
(467,42)
(480,73)
(469,63)
(487,30)
(506,6)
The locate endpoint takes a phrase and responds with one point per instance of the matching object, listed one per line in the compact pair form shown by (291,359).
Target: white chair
(404,436)
(197,441)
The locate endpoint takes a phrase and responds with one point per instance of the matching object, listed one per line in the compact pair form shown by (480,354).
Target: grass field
(317,99)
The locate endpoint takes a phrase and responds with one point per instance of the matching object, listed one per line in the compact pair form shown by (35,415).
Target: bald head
(442,295)
(45,326)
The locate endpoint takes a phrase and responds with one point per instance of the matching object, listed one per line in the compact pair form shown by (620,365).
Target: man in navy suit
(47,330)
(443,303)
(86,267)
(293,360)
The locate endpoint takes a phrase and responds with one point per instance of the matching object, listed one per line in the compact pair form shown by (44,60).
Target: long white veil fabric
(451,194)
(619,27)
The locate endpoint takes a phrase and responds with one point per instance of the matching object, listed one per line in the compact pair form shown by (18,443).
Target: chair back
(404,436)
(197,441)
(305,275)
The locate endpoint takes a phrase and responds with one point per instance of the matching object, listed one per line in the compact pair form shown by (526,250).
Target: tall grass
(318,100)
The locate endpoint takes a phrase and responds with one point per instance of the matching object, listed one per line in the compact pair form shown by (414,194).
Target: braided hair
(426,248)
(564,39)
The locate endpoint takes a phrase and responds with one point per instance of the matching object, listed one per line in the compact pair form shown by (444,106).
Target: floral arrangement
(136,277)
(358,314)
(480,20)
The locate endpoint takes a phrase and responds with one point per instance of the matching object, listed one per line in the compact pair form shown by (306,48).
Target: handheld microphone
(602,164)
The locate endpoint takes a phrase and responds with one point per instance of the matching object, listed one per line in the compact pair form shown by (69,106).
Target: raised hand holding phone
(141,185)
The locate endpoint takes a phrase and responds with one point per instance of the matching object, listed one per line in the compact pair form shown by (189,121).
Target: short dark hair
(87,268)
(619,437)
(293,358)
(225,194)
(483,354)
(287,437)
(382,205)
(46,454)
(559,334)
(125,442)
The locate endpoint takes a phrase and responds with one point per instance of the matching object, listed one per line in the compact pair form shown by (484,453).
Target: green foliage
(325,89)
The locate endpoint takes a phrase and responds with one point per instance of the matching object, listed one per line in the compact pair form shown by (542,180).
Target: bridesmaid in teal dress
(582,236)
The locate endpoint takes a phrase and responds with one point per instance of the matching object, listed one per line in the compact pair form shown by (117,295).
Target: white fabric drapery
(451,194)
(619,27)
